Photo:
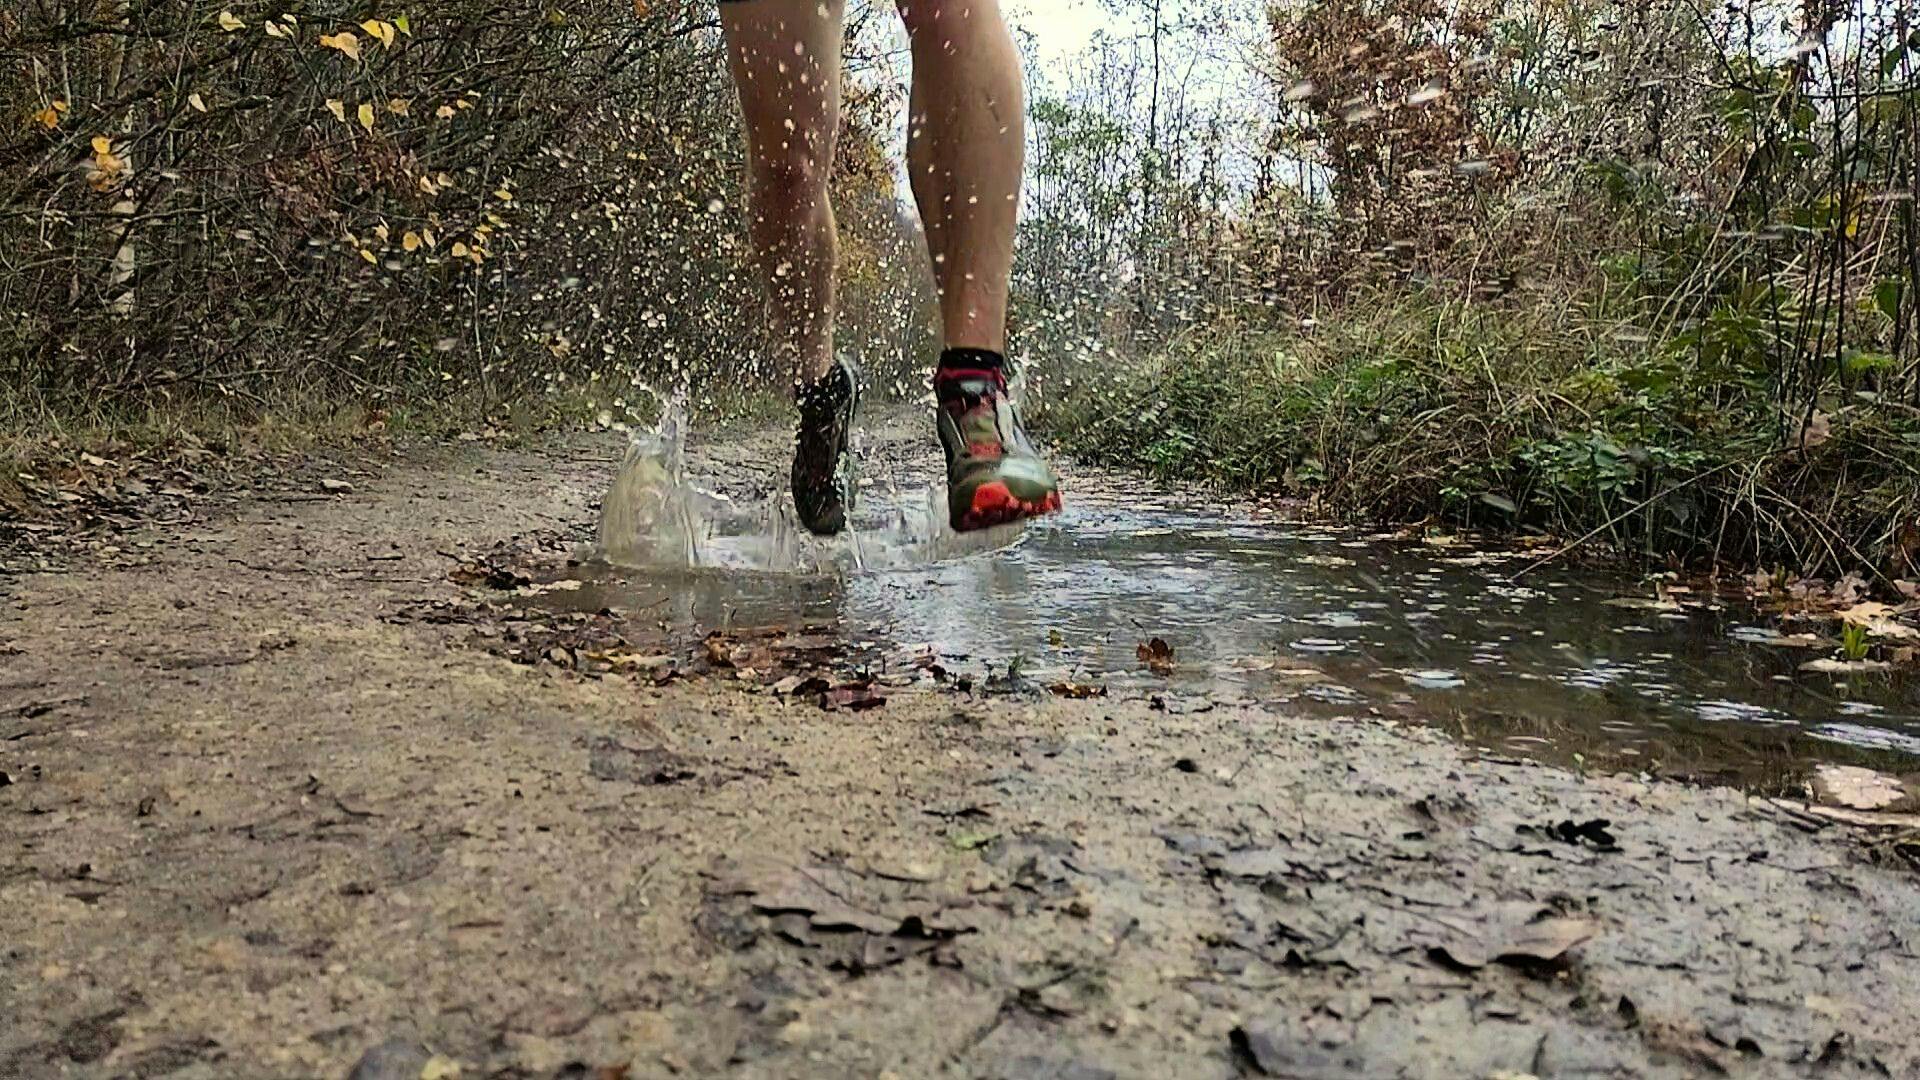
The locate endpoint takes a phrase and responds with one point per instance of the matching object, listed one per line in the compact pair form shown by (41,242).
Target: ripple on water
(1546,654)
(1868,738)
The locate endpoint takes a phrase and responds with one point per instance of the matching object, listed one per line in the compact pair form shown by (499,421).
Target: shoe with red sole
(994,475)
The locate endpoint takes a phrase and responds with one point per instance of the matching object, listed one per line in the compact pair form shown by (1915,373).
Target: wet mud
(290,799)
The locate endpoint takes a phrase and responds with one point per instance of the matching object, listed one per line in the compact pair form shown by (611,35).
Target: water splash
(657,515)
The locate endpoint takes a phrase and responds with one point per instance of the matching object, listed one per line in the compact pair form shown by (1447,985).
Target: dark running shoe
(994,475)
(822,457)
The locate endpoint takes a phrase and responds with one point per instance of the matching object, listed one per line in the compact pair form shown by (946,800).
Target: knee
(792,172)
(942,20)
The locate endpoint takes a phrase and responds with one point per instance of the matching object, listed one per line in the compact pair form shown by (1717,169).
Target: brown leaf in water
(1156,654)
(1077,690)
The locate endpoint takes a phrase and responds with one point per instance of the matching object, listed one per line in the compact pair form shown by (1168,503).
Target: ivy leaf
(229,23)
(346,41)
(1886,297)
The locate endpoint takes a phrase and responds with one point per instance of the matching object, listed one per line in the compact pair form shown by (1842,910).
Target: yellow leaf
(368,255)
(503,194)
(640,8)
(459,250)
(366,116)
(401,24)
(338,108)
(444,112)
(199,104)
(102,146)
(382,232)
(426,237)
(48,118)
(345,41)
(379,29)
(397,106)
(464,103)
(229,23)
(273,29)
(410,241)
(426,185)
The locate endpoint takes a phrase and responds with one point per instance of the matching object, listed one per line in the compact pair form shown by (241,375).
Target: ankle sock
(968,363)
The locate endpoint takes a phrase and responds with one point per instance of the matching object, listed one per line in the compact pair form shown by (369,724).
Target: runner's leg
(785,59)
(966,137)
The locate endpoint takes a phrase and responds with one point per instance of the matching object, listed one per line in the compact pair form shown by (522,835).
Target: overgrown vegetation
(1641,271)
(477,212)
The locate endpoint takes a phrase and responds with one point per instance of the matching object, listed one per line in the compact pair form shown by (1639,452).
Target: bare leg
(966,137)
(785,59)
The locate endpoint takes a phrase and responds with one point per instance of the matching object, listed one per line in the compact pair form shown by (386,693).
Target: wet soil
(286,793)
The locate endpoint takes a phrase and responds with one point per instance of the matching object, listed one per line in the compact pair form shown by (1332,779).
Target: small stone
(335,487)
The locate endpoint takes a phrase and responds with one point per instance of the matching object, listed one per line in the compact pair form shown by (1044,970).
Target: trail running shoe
(822,456)
(994,475)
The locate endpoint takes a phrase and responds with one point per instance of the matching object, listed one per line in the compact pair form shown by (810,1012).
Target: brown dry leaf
(854,697)
(1541,942)
(345,41)
(1156,654)
(1077,690)
(1878,619)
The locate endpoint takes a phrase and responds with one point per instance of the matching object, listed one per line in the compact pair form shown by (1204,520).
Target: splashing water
(655,515)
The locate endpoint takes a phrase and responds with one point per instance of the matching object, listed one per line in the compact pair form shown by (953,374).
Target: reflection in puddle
(1392,627)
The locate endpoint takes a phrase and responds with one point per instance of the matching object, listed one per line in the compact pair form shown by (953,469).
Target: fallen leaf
(366,116)
(198,103)
(609,759)
(1541,942)
(1827,665)
(1878,619)
(1855,788)
(345,41)
(229,23)
(1642,603)
(1156,654)
(1077,690)
(338,108)
(1289,1047)
(854,697)
(800,684)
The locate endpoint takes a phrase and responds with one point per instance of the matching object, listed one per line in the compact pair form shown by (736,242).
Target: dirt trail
(256,820)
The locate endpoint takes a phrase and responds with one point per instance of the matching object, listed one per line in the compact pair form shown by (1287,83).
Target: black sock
(970,360)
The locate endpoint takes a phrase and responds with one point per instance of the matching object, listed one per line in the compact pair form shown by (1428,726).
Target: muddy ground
(275,794)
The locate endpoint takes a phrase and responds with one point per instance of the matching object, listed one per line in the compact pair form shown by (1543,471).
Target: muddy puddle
(1563,664)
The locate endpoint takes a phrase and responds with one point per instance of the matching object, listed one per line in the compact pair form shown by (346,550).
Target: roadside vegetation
(1642,274)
